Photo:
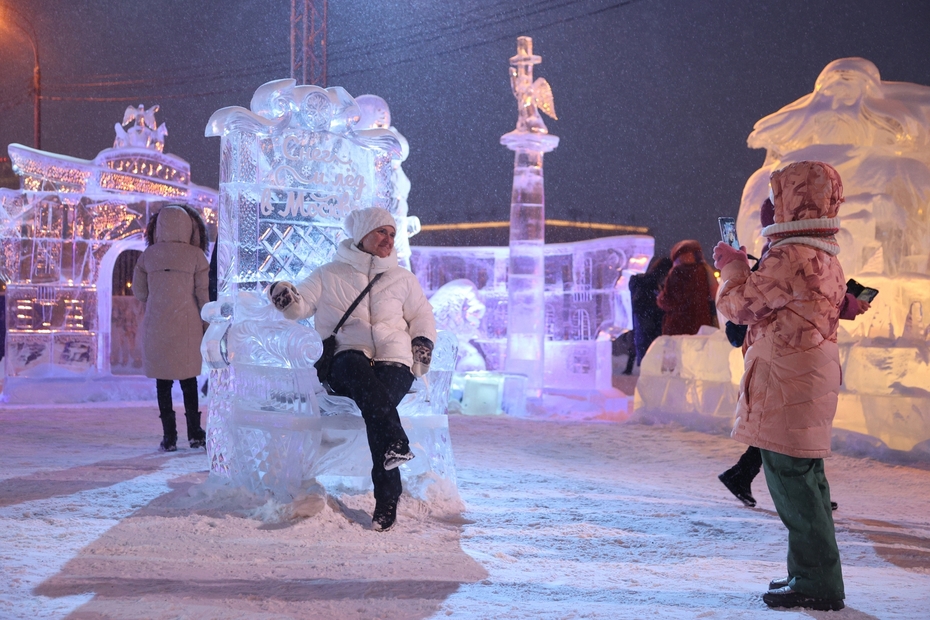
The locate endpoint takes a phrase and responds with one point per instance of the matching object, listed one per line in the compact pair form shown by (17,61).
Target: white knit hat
(361,222)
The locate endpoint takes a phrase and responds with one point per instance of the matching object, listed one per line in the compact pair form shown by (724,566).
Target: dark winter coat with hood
(687,297)
(172,279)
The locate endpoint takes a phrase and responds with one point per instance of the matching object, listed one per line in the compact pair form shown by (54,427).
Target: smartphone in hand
(861,292)
(728,231)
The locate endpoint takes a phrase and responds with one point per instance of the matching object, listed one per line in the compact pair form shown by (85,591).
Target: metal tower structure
(308,41)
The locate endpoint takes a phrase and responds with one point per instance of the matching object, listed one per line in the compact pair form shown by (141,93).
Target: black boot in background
(738,479)
(169,442)
(195,435)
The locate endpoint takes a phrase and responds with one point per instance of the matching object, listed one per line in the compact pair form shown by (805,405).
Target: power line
(150,97)
(513,33)
(474,26)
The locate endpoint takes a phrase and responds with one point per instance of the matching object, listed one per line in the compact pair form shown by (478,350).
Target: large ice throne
(292,167)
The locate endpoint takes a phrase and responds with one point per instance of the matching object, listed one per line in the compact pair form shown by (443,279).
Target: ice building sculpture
(70,317)
(529,141)
(291,168)
(585,303)
(877,135)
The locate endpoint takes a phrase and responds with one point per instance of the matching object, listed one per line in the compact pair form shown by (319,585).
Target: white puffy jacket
(394,312)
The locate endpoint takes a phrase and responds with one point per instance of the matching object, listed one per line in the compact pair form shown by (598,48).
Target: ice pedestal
(886,392)
(690,378)
(695,380)
(526,324)
(493,393)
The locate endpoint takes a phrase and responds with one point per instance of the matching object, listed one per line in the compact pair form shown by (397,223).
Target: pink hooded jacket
(792,375)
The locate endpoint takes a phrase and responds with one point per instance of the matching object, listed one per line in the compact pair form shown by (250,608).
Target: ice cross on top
(532,97)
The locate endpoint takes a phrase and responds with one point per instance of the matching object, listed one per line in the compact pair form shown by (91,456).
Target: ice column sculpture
(526,325)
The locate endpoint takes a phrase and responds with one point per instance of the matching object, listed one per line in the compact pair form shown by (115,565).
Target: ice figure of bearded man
(877,135)
(458,309)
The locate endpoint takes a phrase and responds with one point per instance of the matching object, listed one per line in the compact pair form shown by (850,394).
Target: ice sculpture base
(694,380)
(68,390)
(277,454)
(594,404)
(493,393)
(527,141)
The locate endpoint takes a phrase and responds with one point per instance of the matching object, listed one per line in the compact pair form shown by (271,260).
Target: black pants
(191,407)
(377,390)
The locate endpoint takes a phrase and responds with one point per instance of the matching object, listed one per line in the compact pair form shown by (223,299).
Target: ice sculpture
(877,135)
(459,309)
(291,168)
(375,114)
(529,141)
(68,333)
(585,303)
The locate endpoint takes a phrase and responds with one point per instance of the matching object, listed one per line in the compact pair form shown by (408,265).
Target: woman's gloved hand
(725,254)
(283,294)
(422,349)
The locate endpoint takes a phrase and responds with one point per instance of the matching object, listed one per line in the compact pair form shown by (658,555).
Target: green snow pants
(802,498)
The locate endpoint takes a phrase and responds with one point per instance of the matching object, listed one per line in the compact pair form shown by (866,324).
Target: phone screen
(728,231)
(865,293)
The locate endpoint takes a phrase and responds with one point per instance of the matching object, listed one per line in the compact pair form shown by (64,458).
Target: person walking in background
(171,280)
(385,341)
(687,297)
(790,385)
(647,315)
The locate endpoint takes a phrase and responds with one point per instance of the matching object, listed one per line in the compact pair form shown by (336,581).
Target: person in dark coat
(687,297)
(647,315)
(171,279)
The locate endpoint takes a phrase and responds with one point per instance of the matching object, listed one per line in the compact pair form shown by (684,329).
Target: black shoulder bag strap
(356,302)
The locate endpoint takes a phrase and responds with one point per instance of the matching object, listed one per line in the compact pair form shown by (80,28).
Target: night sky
(655,97)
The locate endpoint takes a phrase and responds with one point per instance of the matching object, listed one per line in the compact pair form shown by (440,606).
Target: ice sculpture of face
(379,242)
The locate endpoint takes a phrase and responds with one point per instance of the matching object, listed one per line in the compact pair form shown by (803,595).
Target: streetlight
(36,73)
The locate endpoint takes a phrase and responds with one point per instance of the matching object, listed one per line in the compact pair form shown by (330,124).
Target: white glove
(422,349)
(283,294)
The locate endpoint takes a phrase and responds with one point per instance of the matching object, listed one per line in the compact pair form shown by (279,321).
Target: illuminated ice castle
(69,314)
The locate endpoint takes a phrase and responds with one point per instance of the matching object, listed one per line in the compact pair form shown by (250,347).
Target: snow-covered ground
(564,520)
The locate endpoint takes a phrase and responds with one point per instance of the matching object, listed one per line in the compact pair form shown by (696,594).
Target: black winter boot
(385,515)
(738,479)
(169,442)
(195,435)
(733,480)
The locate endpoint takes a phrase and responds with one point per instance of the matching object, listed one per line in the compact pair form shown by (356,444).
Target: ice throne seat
(275,431)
